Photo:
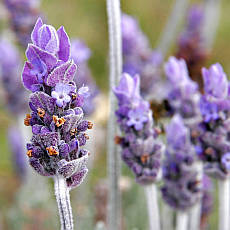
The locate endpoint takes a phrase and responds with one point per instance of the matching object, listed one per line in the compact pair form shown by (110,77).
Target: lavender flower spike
(58,125)
(141,150)
(183,95)
(182,185)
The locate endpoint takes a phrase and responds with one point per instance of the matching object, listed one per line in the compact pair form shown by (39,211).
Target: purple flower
(141,150)
(48,39)
(56,147)
(137,117)
(61,94)
(182,186)
(182,93)
(176,71)
(215,82)
(128,90)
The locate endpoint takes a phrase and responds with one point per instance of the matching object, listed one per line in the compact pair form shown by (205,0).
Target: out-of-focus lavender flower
(182,186)
(215,82)
(57,124)
(207,201)
(18,152)
(190,44)
(182,93)
(141,150)
(23,14)
(81,54)
(212,137)
(10,65)
(139,58)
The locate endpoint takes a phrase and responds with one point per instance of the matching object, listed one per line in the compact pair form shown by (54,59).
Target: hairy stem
(167,217)
(195,212)
(63,201)
(224,201)
(152,204)
(181,220)
(170,31)
(113,160)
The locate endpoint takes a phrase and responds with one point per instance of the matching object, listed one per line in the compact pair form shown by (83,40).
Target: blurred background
(86,19)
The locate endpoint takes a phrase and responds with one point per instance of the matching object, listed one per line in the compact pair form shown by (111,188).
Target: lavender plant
(23,14)
(57,119)
(141,150)
(182,183)
(212,139)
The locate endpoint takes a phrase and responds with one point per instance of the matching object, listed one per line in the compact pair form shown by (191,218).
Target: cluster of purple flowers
(10,64)
(182,183)
(182,93)
(212,143)
(141,150)
(138,57)
(23,15)
(81,54)
(56,118)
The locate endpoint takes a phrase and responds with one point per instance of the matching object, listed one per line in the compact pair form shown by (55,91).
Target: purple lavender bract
(140,149)
(183,95)
(57,122)
(182,186)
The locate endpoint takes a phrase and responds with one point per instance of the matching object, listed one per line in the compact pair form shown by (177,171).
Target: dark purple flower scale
(23,14)
(182,186)
(141,150)
(183,94)
(138,57)
(212,139)
(58,126)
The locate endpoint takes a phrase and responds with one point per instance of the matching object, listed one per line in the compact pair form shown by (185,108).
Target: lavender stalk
(141,149)
(114,200)
(63,201)
(152,204)
(224,201)
(55,149)
(181,220)
(170,30)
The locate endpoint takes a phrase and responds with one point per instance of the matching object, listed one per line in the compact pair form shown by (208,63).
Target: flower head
(56,147)
(182,186)
(215,82)
(141,150)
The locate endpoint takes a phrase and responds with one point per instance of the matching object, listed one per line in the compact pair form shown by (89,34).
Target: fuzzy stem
(195,212)
(63,201)
(152,204)
(167,217)
(181,220)
(113,159)
(211,10)
(224,201)
(170,31)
